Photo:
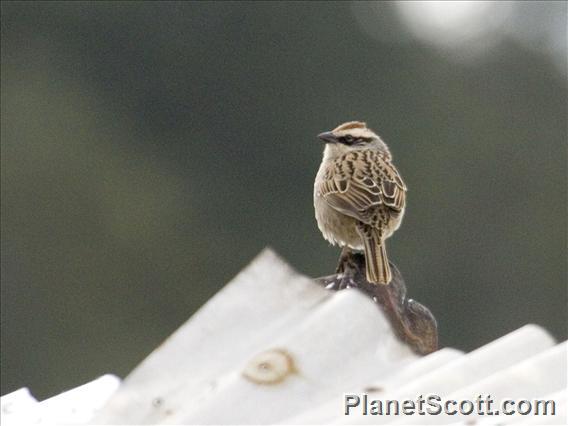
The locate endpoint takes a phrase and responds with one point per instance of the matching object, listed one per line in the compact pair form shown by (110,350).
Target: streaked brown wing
(358,182)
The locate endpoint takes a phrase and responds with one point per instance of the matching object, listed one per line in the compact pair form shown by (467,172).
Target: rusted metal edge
(412,322)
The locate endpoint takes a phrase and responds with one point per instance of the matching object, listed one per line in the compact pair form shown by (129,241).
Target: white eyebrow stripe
(357,133)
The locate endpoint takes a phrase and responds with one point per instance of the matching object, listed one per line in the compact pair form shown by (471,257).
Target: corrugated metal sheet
(274,347)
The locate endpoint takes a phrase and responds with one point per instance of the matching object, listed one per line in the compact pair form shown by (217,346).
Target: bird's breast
(336,227)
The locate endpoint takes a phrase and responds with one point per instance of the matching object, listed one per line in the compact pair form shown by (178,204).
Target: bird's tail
(377,264)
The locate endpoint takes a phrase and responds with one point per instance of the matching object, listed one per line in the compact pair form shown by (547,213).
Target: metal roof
(274,347)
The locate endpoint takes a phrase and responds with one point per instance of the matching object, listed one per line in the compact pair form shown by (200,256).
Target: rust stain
(270,367)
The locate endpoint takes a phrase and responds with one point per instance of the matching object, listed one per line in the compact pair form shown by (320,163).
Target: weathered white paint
(336,340)
(73,407)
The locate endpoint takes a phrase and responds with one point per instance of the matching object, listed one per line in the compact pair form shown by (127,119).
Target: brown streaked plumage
(359,196)
(351,125)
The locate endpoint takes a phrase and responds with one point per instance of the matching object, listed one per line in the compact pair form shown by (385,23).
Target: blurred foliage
(151,150)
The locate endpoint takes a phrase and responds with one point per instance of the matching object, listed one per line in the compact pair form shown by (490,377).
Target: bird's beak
(328,137)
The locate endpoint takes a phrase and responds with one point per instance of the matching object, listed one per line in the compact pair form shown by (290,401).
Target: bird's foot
(343,259)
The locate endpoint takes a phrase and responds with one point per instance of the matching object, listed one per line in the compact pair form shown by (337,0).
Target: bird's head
(351,136)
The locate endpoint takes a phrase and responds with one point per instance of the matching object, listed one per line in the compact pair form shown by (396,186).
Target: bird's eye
(348,139)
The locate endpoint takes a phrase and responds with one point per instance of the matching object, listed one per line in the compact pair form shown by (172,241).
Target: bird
(359,195)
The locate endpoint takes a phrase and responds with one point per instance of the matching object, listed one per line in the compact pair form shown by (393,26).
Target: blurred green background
(151,150)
